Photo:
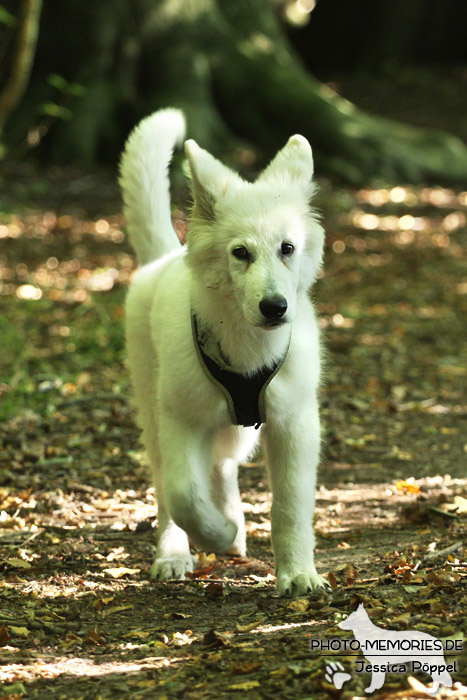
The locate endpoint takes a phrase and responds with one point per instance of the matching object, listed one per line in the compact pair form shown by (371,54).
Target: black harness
(245,394)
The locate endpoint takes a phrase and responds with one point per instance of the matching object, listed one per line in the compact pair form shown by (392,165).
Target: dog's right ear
(210,179)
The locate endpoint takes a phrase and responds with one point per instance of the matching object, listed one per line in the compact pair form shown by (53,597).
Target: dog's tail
(145,183)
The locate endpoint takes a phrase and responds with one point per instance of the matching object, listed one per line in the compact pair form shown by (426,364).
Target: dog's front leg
(186,454)
(292,451)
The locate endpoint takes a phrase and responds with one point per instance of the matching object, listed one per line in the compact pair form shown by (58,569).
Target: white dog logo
(388,650)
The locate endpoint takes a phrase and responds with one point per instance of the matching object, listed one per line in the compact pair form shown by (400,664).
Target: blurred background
(77,76)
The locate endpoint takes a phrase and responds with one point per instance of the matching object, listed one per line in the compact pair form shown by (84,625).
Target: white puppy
(231,307)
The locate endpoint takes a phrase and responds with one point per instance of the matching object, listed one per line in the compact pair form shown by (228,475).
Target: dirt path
(79,618)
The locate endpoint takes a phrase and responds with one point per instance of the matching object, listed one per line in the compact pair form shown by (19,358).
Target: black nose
(273,307)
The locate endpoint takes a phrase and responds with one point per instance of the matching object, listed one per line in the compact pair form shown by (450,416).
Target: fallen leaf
(4,636)
(158,644)
(214,588)
(250,626)
(180,638)
(216,639)
(460,504)
(17,563)
(443,577)
(19,631)
(247,685)
(299,605)
(93,637)
(350,574)
(281,672)
(117,608)
(205,560)
(403,620)
(140,634)
(407,486)
(413,589)
(246,667)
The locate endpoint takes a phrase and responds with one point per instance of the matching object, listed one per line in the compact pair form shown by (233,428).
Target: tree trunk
(277,96)
(22,60)
(231,68)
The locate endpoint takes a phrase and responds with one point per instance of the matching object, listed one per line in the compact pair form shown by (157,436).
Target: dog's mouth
(273,323)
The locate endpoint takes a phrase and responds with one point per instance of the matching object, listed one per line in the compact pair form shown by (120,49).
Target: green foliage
(63,86)
(58,108)
(57,81)
(6,17)
(57,111)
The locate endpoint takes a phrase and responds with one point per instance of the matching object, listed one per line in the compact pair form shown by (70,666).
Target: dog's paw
(173,567)
(297,584)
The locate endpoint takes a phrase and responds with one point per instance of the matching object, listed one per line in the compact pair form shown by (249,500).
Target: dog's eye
(287,249)
(241,253)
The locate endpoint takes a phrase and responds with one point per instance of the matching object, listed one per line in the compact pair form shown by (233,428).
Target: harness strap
(245,395)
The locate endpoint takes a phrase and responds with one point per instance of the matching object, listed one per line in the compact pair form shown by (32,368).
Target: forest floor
(79,617)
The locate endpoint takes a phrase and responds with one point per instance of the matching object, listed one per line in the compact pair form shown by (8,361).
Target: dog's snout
(273,308)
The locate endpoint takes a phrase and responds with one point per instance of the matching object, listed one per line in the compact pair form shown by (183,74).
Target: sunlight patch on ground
(268,629)
(80,666)
(76,275)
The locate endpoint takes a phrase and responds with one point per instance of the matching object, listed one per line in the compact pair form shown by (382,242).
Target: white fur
(193,448)
(143,172)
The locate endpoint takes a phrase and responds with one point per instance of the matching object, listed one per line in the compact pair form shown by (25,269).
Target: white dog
(209,326)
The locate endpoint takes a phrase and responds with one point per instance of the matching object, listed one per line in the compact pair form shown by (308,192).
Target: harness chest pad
(245,394)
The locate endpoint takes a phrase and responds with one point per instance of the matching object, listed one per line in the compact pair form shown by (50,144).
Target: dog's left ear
(292,166)
(209,178)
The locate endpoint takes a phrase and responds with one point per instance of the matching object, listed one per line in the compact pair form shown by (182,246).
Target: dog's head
(257,243)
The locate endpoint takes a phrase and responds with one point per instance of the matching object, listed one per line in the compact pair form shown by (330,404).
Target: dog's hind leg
(186,459)
(173,557)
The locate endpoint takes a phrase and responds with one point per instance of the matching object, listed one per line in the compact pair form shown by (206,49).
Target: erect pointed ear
(293,165)
(210,179)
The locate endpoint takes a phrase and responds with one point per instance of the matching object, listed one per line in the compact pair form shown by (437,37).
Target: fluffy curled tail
(145,183)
